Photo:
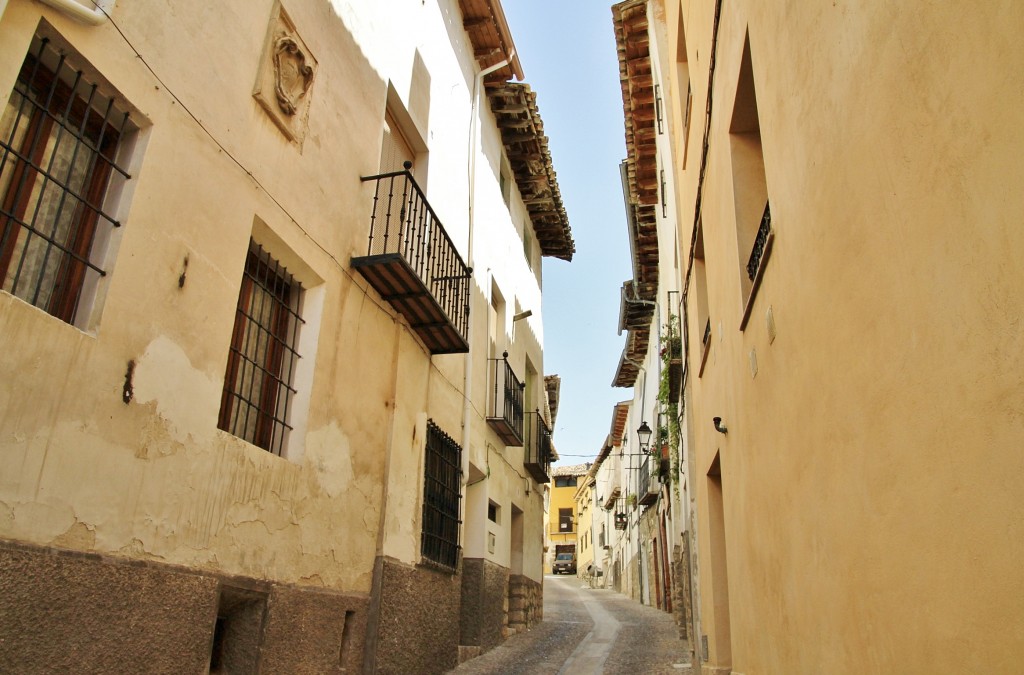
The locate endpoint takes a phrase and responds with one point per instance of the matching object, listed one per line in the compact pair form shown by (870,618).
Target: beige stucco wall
(155,479)
(872,520)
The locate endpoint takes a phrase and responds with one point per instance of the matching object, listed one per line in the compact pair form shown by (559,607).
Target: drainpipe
(477,84)
(81,13)
(467,386)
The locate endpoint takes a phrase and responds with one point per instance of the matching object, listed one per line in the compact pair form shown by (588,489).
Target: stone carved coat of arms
(285,78)
(292,75)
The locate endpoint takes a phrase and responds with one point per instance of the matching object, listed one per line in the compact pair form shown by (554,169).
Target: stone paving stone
(646,640)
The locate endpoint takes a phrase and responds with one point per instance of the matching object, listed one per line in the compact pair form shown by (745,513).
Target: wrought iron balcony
(537,448)
(505,402)
(759,242)
(413,264)
(648,488)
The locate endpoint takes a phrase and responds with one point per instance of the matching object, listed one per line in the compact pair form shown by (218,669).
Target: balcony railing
(537,448)
(505,402)
(648,488)
(759,242)
(413,264)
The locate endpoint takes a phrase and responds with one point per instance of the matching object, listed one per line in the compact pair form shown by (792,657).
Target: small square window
(527,245)
(505,184)
(492,512)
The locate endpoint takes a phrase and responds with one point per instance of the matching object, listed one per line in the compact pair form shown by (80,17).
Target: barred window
(59,139)
(262,360)
(442,473)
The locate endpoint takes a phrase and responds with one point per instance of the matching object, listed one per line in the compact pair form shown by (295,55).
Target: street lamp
(644,434)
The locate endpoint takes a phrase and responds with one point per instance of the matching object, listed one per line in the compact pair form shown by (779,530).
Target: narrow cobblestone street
(589,631)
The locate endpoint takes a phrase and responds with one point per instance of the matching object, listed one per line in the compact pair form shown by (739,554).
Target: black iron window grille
(649,487)
(403,222)
(537,447)
(442,474)
(258,388)
(505,411)
(687,111)
(59,139)
(657,108)
(763,230)
(664,196)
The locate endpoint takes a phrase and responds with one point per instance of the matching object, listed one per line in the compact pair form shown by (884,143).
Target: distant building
(562,531)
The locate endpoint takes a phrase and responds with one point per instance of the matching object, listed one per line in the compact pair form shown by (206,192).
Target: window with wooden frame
(258,384)
(442,474)
(59,142)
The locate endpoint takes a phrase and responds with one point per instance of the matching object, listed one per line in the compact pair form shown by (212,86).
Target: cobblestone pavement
(588,631)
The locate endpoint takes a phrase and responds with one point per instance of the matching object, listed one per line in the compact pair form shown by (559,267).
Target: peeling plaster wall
(155,480)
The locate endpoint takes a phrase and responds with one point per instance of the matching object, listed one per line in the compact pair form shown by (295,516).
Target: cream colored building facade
(846,204)
(254,398)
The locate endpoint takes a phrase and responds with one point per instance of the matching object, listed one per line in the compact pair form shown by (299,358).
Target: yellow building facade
(562,527)
(846,186)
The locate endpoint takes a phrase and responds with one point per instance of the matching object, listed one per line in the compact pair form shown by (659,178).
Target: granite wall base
(66,611)
(417,619)
(525,603)
(485,604)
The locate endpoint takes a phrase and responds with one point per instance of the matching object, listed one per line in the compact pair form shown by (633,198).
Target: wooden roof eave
(553,385)
(491,37)
(633,48)
(633,353)
(515,109)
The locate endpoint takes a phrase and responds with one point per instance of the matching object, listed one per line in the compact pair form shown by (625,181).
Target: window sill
(757,280)
(435,566)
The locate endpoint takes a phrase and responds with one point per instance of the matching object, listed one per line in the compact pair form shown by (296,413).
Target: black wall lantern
(644,434)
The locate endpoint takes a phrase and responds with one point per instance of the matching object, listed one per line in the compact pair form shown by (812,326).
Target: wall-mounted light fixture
(719,427)
(644,434)
(523,315)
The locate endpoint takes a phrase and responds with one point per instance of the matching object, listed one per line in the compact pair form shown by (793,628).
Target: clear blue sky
(567,49)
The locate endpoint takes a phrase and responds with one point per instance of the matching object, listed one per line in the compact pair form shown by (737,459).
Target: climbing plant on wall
(668,393)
